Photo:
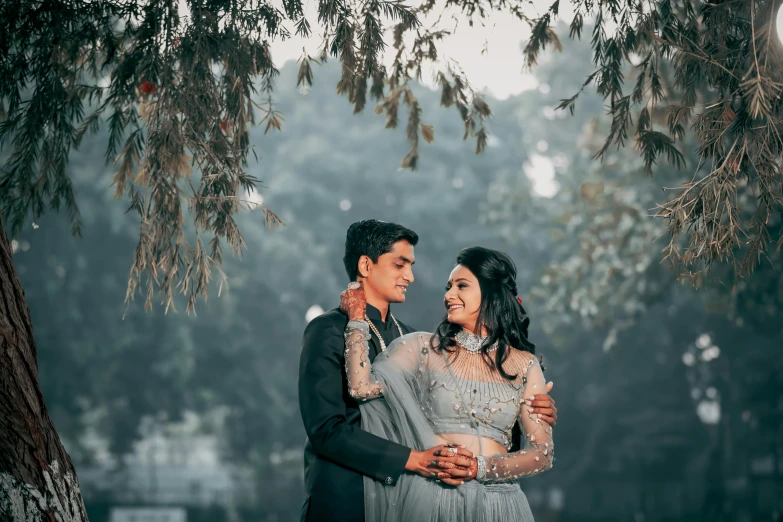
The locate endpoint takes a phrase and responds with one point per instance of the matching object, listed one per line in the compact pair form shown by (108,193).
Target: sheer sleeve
(362,385)
(538,452)
(407,353)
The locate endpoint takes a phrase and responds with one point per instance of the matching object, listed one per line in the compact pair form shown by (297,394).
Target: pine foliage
(725,65)
(179,94)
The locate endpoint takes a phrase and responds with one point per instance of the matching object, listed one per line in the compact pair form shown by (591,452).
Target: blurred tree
(605,268)
(603,275)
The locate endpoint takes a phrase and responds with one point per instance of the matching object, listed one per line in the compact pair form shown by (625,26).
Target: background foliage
(179,86)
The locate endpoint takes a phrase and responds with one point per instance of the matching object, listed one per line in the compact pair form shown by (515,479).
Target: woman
(466,384)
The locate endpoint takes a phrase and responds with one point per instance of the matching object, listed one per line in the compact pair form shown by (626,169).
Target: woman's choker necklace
(472,342)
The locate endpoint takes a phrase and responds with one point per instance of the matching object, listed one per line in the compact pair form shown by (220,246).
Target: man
(338,453)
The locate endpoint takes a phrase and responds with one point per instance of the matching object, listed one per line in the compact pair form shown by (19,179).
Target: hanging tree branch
(724,54)
(179,95)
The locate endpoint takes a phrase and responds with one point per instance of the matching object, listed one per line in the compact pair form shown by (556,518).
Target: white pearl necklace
(378,334)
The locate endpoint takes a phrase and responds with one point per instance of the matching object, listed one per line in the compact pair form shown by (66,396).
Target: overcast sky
(498,71)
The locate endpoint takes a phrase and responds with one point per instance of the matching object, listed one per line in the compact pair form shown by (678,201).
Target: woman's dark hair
(372,238)
(503,316)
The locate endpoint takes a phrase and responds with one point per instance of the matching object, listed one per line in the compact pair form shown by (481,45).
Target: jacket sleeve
(322,395)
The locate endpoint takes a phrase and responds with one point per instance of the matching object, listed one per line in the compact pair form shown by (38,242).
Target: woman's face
(463,298)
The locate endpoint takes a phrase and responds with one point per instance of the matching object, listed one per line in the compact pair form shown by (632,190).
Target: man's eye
(400,266)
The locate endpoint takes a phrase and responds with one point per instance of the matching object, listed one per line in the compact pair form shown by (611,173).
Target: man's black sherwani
(337,451)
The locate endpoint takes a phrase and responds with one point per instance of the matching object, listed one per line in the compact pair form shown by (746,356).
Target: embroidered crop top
(460,393)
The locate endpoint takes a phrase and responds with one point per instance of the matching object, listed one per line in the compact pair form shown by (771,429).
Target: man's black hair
(372,238)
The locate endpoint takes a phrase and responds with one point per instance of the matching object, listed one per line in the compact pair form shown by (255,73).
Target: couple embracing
(406,425)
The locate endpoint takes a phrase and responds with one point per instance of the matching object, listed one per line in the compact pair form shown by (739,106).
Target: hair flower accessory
(519,300)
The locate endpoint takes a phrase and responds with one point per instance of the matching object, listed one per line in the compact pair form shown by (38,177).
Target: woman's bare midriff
(471,443)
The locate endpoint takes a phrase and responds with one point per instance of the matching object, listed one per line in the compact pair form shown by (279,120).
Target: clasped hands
(448,463)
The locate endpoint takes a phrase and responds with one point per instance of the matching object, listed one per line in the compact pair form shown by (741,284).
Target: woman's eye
(461,286)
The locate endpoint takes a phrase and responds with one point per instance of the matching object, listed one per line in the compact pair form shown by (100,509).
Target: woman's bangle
(481,465)
(360,325)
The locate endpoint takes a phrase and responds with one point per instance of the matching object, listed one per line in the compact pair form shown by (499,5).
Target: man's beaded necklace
(378,334)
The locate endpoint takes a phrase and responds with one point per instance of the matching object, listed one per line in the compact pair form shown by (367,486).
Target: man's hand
(448,463)
(543,406)
(353,301)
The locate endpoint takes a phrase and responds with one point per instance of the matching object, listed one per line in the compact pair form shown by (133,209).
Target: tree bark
(37,479)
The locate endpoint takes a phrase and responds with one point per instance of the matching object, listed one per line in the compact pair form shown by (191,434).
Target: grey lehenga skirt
(399,417)
(417,499)
(483,503)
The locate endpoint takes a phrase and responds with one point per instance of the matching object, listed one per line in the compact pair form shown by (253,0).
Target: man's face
(388,279)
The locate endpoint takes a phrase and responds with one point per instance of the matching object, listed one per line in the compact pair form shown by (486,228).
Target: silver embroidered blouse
(460,393)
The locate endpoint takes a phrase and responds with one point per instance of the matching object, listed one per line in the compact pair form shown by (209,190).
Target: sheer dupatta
(400,375)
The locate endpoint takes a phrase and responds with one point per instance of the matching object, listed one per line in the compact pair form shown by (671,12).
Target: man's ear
(364,267)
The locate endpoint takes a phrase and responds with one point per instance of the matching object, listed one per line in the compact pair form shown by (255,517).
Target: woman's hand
(353,301)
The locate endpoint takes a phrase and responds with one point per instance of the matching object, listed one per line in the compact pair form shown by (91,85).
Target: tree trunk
(37,479)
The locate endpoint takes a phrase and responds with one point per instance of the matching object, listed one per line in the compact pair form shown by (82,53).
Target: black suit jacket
(337,451)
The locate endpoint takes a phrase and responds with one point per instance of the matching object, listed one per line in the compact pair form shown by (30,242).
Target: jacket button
(389,480)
